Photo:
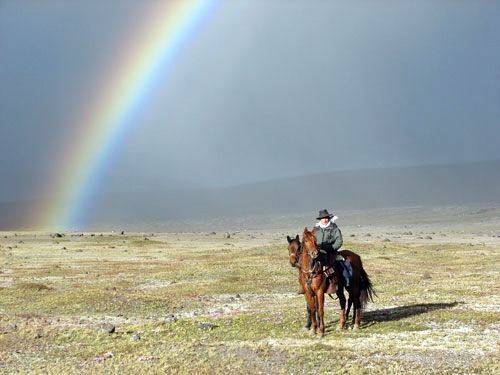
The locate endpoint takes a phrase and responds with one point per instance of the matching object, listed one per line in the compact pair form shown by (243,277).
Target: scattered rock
(426,276)
(11,327)
(206,326)
(136,337)
(171,318)
(105,328)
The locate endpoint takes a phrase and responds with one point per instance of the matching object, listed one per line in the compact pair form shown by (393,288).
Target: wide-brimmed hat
(323,214)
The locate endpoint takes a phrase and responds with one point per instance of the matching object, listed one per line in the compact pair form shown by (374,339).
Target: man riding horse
(329,240)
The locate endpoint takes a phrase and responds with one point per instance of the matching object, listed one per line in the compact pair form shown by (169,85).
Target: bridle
(297,254)
(313,265)
(315,268)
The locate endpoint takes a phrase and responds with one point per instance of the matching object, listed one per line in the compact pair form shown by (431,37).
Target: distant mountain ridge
(438,185)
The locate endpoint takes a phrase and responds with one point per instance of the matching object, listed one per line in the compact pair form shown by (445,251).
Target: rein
(314,268)
(312,273)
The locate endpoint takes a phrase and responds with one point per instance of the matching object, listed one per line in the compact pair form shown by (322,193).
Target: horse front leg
(311,311)
(314,311)
(321,313)
(309,317)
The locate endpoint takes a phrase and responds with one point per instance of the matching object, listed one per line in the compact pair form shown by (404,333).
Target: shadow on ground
(370,318)
(401,312)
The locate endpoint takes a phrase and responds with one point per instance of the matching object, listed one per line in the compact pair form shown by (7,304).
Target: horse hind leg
(357,314)
(349,305)
(342,301)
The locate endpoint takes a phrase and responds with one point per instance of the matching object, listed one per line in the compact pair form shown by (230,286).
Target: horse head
(294,249)
(309,243)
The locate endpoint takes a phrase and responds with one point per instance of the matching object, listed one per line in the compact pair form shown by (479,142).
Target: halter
(314,268)
(297,255)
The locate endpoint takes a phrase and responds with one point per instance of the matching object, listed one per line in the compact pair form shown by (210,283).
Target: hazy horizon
(466,184)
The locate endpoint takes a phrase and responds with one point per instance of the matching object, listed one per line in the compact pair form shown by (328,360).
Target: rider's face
(325,220)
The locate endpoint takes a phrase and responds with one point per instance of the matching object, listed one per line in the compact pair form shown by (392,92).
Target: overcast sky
(266,89)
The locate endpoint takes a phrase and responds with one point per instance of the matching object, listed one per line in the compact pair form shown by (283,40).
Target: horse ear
(297,238)
(288,239)
(306,230)
(314,231)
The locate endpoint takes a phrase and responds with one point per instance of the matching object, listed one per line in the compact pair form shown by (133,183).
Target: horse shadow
(401,312)
(370,318)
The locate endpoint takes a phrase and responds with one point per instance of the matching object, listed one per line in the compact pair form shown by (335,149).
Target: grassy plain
(203,303)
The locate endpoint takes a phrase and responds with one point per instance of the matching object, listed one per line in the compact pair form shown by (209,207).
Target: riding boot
(347,277)
(331,259)
(348,267)
(347,280)
(346,273)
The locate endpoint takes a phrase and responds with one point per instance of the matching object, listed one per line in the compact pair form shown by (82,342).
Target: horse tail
(367,292)
(366,288)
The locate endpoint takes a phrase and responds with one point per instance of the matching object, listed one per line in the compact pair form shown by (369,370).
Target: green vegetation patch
(117,304)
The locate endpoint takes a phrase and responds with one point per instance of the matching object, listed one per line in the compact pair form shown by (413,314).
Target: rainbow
(108,118)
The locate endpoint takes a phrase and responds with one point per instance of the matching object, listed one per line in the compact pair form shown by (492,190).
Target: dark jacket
(329,239)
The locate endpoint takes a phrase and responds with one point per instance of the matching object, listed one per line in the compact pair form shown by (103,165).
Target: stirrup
(332,287)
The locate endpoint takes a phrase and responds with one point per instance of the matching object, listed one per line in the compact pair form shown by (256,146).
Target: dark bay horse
(311,276)
(361,289)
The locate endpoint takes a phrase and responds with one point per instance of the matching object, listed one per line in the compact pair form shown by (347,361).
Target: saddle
(332,261)
(336,265)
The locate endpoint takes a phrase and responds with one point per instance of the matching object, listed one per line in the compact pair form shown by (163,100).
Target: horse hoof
(340,328)
(356,327)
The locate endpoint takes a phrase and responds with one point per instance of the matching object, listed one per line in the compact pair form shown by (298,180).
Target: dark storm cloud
(268,89)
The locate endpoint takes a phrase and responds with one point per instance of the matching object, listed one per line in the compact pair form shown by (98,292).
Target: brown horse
(311,276)
(361,289)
